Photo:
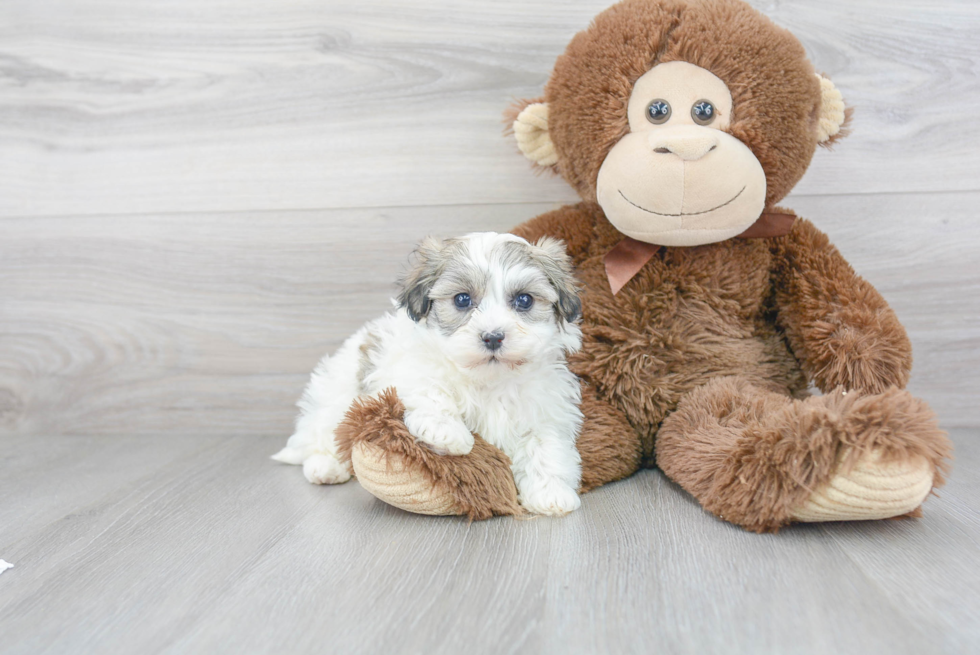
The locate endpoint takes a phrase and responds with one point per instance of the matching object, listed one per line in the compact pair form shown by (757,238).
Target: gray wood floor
(197,544)
(199,198)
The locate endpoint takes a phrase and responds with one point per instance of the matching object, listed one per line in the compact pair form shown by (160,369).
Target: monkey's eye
(462,301)
(658,111)
(703,112)
(523,302)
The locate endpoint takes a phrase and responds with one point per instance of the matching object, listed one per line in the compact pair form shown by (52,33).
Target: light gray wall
(197,200)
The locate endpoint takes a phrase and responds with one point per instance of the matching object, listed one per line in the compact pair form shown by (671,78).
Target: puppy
(477,343)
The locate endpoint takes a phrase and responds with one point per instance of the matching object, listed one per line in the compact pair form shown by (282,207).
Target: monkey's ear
(531,131)
(834,115)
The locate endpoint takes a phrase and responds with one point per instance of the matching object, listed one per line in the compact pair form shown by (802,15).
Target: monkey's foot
(761,459)
(396,468)
(394,480)
(869,489)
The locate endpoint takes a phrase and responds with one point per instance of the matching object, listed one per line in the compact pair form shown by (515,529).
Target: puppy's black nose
(492,340)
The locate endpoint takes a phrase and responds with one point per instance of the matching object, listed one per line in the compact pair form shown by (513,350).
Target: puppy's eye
(462,301)
(658,112)
(523,301)
(703,112)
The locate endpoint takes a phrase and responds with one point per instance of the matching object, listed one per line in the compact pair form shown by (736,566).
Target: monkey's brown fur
(775,94)
(701,363)
(482,487)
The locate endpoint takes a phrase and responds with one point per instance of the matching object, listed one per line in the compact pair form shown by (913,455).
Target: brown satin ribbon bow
(629,255)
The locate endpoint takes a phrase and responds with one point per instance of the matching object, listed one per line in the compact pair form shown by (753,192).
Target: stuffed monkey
(708,311)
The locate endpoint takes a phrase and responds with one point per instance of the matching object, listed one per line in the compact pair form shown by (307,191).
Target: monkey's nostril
(662,151)
(712,148)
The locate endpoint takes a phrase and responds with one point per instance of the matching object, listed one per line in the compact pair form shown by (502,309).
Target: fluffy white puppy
(478,343)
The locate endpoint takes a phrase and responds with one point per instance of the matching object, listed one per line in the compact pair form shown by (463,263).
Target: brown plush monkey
(707,311)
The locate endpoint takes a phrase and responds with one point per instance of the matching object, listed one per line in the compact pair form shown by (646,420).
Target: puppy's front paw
(551,497)
(323,468)
(445,434)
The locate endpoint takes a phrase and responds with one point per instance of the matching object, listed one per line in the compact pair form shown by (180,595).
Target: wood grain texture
(207,324)
(211,324)
(216,549)
(112,107)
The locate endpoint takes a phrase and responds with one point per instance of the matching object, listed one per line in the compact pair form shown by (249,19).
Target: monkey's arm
(840,328)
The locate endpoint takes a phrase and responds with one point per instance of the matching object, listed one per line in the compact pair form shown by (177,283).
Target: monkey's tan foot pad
(870,489)
(390,479)
(395,468)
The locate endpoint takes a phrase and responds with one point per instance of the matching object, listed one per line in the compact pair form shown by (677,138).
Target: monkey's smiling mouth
(650,211)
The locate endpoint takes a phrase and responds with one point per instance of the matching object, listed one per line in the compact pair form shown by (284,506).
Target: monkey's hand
(838,325)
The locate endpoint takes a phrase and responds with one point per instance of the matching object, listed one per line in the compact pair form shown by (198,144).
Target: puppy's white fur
(520,397)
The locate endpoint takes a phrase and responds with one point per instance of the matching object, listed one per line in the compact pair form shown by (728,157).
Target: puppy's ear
(421,276)
(551,256)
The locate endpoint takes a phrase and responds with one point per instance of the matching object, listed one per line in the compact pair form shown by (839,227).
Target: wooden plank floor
(201,545)
(200,198)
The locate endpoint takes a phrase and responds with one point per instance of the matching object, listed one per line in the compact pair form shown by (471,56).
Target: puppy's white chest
(500,416)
